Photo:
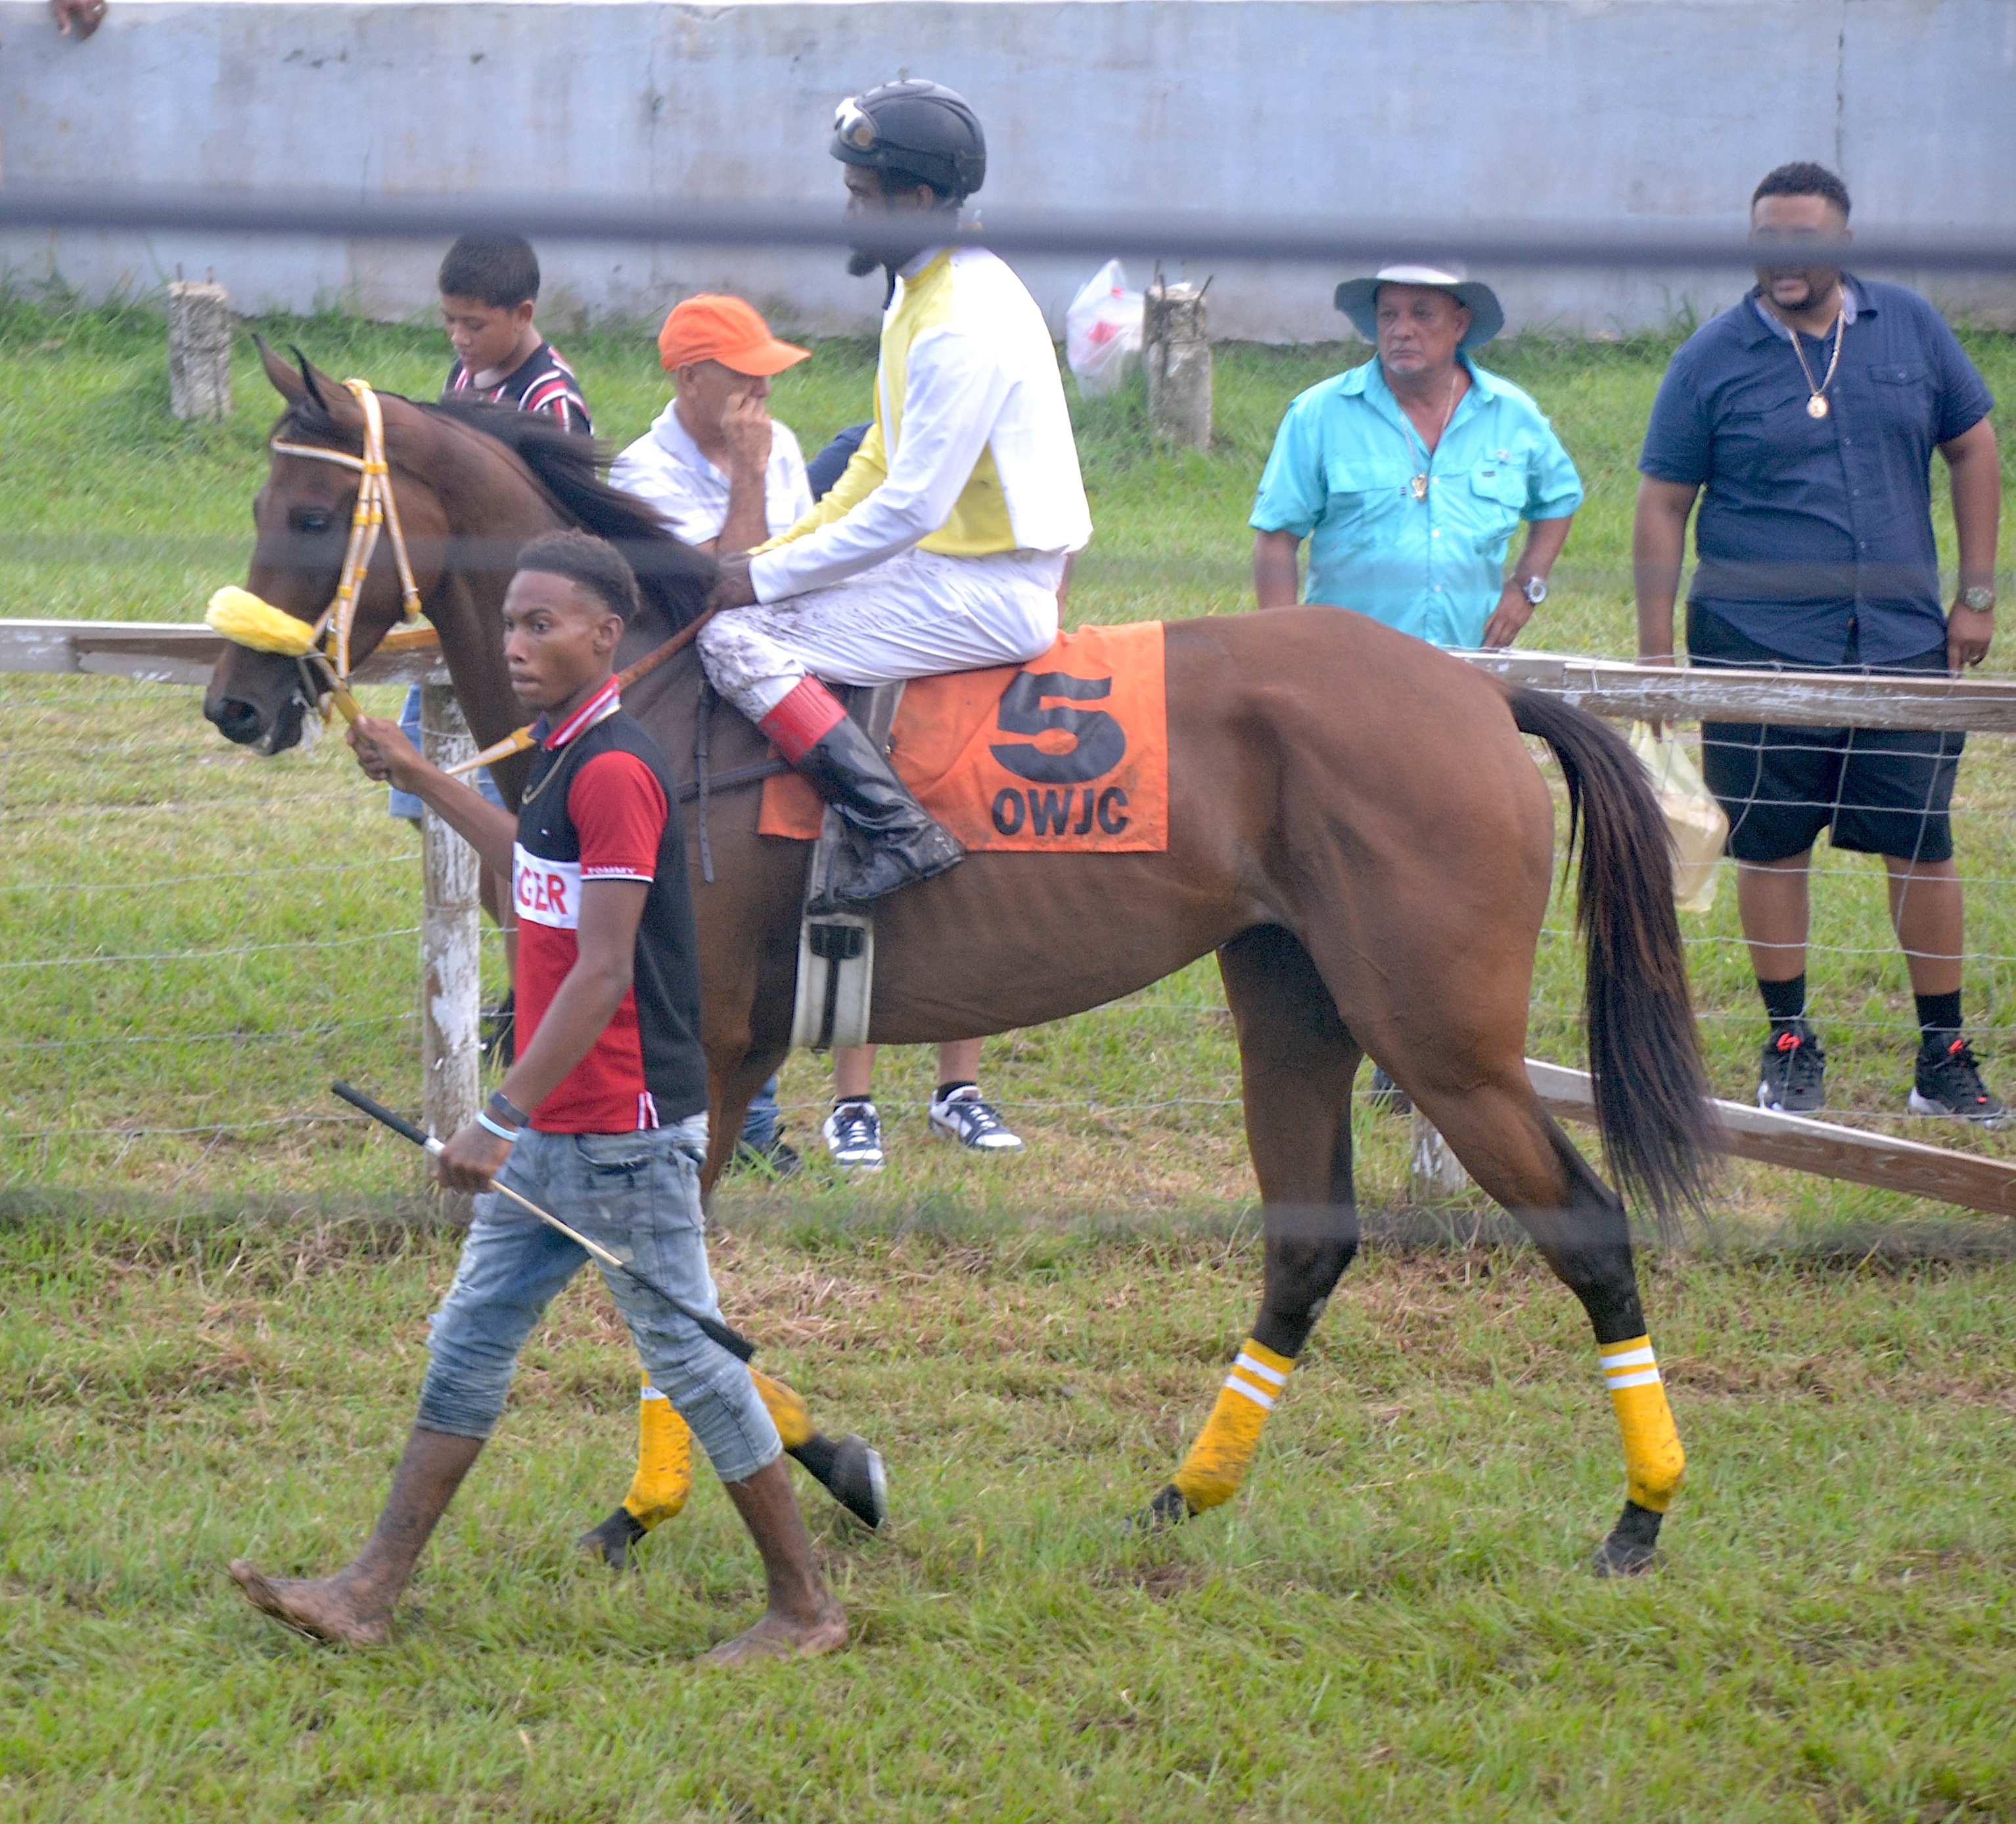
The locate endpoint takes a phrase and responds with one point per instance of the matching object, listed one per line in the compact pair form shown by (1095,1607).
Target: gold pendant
(1420,485)
(1817,407)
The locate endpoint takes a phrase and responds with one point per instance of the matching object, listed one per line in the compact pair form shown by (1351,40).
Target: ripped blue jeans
(638,1196)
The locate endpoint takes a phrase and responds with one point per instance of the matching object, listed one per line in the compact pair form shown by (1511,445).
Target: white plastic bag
(1697,821)
(1102,331)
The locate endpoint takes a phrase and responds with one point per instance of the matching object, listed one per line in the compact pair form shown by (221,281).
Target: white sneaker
(853,1133)
(964,1117)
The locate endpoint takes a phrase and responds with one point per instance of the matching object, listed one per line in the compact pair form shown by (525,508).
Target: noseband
(376,510)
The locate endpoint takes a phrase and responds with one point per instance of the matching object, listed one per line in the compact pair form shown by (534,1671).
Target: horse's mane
(673,576)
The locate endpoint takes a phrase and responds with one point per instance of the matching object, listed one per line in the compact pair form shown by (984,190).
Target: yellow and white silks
(941,547)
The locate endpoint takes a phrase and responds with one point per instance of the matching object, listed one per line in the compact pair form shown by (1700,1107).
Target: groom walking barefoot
(609,1066)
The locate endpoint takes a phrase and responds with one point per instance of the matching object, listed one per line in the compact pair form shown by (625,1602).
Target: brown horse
(1355,829)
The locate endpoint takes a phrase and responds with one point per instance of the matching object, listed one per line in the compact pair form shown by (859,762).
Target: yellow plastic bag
(1697,821)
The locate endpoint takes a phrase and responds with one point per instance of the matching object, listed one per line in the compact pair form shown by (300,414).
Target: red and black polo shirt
(600,805)
(541,382)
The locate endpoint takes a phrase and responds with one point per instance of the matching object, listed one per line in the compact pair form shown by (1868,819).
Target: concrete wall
(1565,109)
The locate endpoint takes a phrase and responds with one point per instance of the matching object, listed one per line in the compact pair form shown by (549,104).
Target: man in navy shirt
(1805,419)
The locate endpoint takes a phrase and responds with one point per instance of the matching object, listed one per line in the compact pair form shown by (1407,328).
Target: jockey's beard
(862,261)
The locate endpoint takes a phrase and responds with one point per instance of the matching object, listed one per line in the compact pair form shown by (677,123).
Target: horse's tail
(1652,1102)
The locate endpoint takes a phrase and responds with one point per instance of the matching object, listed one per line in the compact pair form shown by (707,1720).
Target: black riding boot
(892,841)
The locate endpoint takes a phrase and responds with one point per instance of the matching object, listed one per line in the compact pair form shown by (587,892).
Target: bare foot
(325,1609)
(778,1637)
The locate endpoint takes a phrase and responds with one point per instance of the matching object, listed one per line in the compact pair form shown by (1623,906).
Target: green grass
(130,831)
(219,1354)
(1393,1620)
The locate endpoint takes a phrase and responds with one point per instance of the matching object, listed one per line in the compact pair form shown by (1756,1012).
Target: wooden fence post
(450,946)
(198,350)
(1436,1175)
(1175,356)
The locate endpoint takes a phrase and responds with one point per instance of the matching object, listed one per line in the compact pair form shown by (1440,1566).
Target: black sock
(1784,1001)
(945,1090)
(841,1101)
(1939,1018)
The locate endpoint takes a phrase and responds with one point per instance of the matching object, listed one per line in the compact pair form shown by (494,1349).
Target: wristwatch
(1534,590)
(1981,599)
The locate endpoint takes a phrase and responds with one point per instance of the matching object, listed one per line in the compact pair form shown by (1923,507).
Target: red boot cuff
(807,713)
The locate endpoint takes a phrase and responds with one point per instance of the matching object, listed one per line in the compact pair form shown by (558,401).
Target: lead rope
(377,508)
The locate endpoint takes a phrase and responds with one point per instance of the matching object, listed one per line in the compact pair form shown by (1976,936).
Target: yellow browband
(377,509)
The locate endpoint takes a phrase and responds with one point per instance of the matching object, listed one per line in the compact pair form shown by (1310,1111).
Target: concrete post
(450,946)
(1176,355)
(198,350)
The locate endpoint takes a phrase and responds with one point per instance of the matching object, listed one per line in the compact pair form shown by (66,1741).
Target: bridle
(376,510)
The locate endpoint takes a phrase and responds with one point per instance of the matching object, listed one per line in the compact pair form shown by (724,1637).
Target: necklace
(1418,486)
(1816,406)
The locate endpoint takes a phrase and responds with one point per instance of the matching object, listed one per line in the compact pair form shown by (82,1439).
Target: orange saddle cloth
(1070,752)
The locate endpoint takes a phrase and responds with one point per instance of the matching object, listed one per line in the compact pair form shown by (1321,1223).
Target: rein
(376,510)
(519,740)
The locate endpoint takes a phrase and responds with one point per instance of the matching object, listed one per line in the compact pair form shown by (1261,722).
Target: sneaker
(964,1117)
(1794,1073)
(1949,1084)
(853,1134)
(498,1039)
(1387,1097)
(780,1158)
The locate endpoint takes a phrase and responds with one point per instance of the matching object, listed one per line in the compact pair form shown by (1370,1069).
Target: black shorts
(1879,791)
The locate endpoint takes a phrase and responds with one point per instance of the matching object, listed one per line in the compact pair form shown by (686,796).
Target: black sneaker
(1794,1073)
(780,1158)
(499,1033)
(1949,1084)
(1387,1097)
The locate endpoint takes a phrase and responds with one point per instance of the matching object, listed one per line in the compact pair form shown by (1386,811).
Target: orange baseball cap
(711,328)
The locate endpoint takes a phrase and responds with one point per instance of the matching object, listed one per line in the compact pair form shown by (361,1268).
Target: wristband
(506,1110)
(482,1120)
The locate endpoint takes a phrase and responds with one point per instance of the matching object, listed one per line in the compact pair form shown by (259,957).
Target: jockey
(943,546)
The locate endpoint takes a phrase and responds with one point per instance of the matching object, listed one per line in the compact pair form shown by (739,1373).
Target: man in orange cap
(725,475)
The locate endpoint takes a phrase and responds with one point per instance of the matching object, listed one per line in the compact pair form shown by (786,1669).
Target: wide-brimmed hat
(712,328)
(1357,299)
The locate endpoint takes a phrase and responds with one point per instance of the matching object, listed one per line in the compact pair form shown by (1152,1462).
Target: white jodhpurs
(912,616)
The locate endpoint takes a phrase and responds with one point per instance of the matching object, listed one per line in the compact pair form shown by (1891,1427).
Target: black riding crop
(736,1345)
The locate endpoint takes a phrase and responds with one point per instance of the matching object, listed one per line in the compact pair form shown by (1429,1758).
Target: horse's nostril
(236,721)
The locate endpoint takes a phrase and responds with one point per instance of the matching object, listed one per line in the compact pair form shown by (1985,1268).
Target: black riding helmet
(915,129)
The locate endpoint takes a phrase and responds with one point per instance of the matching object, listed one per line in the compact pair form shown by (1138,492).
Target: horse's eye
(308,519)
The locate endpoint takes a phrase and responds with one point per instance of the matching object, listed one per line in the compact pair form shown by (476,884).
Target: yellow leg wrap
(664,1462)
(788,1411)
(1223,1452)
(1654,1465)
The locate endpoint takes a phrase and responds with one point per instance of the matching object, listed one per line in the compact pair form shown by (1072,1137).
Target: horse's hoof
(859,1482)
(1632,1547)
(612,1540)
(1167,1509)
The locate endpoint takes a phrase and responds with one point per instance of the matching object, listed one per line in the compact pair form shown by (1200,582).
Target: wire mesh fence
(196,940)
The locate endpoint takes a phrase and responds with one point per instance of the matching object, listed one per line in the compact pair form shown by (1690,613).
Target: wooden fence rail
(168,653)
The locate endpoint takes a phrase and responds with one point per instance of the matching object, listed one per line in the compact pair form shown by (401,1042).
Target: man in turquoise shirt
(1409,475)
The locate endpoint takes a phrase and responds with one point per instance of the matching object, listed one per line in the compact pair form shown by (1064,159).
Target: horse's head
(302,518)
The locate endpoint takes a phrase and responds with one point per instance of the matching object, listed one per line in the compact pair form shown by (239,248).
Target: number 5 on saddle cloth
(1067,754)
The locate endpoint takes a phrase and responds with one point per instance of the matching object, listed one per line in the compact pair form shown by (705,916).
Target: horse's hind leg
(1519,1154)
(1297,1062)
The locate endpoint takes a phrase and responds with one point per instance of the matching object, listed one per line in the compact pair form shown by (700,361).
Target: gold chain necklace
(1816,406)
(1418,486)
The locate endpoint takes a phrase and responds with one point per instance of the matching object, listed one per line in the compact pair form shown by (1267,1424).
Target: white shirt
(967,370)
(666,467)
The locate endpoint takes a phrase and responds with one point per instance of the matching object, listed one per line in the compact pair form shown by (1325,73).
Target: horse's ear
(308,377)
(286,382)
